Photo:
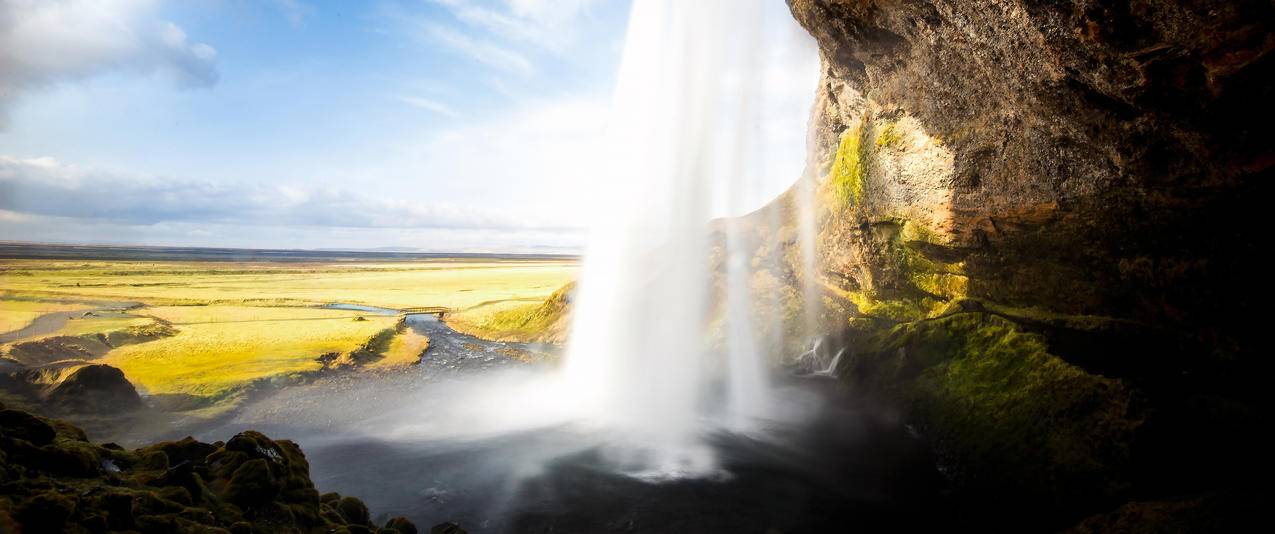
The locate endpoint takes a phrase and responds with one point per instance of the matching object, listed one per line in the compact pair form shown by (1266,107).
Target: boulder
(16,424)
(55,481)
(401,525)
(94,389)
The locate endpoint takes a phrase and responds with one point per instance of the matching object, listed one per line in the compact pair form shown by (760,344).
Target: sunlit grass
(405,349)
(238,322)
(515,320)
(448,283)
(220,348)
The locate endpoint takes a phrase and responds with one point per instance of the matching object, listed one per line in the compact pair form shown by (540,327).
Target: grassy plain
(237,322)
(218,348)
(455,284)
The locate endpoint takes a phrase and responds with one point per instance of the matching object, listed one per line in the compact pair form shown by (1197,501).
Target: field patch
(454,284)
(220,348)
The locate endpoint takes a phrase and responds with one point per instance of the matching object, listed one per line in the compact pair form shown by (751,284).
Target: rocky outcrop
(1034,225)
(94,389)
(52,479)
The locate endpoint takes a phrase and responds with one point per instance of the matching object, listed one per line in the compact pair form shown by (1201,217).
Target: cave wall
(1035,211)
(1083,157)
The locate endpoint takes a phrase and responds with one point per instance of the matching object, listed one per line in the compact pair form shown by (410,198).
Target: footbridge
(438,311)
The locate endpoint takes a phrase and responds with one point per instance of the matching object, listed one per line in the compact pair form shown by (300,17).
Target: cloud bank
(46,42)
(48,188)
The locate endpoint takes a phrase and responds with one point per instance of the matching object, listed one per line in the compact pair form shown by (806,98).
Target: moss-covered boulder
(52,479)
(1004,413)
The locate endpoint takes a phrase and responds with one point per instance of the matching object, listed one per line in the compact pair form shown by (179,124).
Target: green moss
(897,309)
(950,286)
(890,136)
(1002,409)
(849,168)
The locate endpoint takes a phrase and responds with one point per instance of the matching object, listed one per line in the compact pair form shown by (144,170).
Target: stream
(455,439)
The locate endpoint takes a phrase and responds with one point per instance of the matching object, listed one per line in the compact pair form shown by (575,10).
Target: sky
(438,125)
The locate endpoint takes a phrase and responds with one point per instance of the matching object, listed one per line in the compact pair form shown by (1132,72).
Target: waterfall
(687,143)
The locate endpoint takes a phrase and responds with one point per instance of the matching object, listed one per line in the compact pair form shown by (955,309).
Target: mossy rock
(21,425)
(1002,411)
(401,525)
(46,512)
(251,483)
(354,511)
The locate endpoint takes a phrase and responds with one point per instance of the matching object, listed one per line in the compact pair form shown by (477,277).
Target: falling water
(685,144)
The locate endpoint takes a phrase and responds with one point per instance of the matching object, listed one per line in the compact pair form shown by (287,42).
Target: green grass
(237,322)
(509,321)
(447,283)
(220,348)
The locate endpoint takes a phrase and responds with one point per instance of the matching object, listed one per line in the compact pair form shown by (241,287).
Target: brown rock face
(1087,157)
(1013,197)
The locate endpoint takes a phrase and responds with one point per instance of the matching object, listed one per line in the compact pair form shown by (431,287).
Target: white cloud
(482,51)
(46,187)
(547,25)
(44,42)
(429,105)
(535,158)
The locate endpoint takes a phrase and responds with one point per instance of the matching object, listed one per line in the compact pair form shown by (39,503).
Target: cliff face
(1036,230)
(1085,157)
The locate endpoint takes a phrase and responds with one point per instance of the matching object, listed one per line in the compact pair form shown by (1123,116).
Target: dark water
(442,442)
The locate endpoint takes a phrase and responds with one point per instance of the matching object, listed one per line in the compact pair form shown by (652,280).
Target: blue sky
(434,124)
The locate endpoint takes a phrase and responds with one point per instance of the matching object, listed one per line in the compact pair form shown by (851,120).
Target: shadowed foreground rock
(52,479)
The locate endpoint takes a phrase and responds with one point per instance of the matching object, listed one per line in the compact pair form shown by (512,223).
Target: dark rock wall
(1038,211)
(1106,157)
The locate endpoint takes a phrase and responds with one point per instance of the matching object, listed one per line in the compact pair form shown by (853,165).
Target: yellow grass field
(218,348)
(405,349)
(237,322)
(455,284)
